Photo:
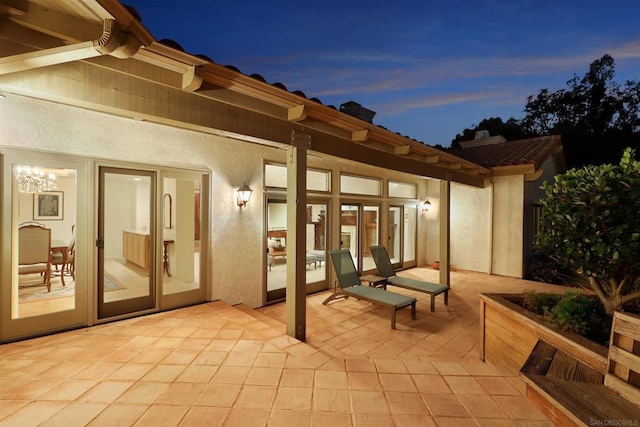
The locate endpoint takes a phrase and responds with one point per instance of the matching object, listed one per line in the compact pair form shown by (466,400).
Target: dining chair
(34,252)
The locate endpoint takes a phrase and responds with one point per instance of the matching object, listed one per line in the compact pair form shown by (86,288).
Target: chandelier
(32,179)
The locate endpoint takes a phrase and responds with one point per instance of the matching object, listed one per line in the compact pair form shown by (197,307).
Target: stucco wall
(508,225)
(471,228)
(236,234)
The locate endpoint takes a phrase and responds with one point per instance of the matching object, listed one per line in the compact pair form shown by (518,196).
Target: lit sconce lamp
(243,194)
(426,205)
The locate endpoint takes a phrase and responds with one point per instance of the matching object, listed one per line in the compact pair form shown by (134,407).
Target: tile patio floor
(216,365)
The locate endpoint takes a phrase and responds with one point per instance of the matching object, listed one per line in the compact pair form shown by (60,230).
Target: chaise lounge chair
(350,286)
(385,269)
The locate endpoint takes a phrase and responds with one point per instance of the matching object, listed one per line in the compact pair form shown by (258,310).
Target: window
(350,184)
(275,176)
(403,190)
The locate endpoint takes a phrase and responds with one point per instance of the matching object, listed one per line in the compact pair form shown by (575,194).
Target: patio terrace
(218,365)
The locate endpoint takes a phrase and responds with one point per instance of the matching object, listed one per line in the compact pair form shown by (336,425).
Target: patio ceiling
(101,33)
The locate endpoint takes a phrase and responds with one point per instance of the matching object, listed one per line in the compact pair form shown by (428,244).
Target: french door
(126,241)
(276,247)
(34,302)
(402,235)
(359,230)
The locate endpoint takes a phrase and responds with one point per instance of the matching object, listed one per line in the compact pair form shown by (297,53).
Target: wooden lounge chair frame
(385,269)
(350,286)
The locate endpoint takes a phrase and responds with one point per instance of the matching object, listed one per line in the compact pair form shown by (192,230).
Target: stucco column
(296,298)
(445,231)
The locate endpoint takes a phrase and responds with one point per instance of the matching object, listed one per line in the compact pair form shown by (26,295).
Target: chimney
(354,109)
(483,138)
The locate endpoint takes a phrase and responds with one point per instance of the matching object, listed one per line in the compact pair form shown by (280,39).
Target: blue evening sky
(428,68)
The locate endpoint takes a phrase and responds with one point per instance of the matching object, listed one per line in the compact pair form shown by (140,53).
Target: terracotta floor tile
(419,367)
(231,374)
(75,414)
(360,365)
(444,405)
(481,406)
(330,419)
(240,358)
(410,420)
(519,407)
(33,413)
(169,415)
(464,385)
(163,373)
(31,390)
(222,395)
(271,360)
(119,415)
(181,394)
(292,398)
(243,417)
(205,416)
(106,392)
(69,390)
(292,377)
(497,386)
(143,393)
(431,384)
(390,366)
(450,368)
(263,376)
(327,400)
(256,397)
(492,422)
(197,374)
(369,420)
(330,379)
(180,357)
(210,358)
(364,381)
(368,402)
(214,364)
(406,403)
(280,418)
(453,421)
(131,371)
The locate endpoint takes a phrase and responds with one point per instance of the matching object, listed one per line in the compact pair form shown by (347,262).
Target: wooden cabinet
(135,248)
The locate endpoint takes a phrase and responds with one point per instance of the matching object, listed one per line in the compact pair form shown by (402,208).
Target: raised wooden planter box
(509,332)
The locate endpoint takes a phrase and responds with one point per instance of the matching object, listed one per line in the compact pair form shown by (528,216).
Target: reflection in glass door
(402,235)
(42,214)
(395,234)
(126,241)
(352,229)
(409,236)
(276,248)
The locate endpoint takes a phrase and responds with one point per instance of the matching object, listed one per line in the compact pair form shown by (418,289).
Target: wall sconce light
(243,195)
(426,205)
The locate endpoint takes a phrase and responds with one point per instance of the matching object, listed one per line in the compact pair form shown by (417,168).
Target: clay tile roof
(511,153)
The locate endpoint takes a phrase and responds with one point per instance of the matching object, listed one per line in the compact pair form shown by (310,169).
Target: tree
(596,116)
(590,224)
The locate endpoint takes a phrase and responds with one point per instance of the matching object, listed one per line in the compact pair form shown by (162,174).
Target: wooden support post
(296,298)
(445,231)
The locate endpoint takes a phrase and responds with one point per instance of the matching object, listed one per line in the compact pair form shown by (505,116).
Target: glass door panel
(409,236)
(276,252)
(395,234)
(370,234)
(41,215)
(126,241)
(316,253)
(349,230)
(181,235)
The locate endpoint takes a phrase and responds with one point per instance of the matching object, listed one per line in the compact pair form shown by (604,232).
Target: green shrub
(573,312)
(540,302)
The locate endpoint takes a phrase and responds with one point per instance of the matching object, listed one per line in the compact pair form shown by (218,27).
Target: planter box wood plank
(509,333)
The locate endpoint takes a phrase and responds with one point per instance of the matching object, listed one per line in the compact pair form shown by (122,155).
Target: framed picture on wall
(48,205)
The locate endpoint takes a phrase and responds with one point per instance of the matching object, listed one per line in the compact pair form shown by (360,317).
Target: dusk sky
(428,68)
